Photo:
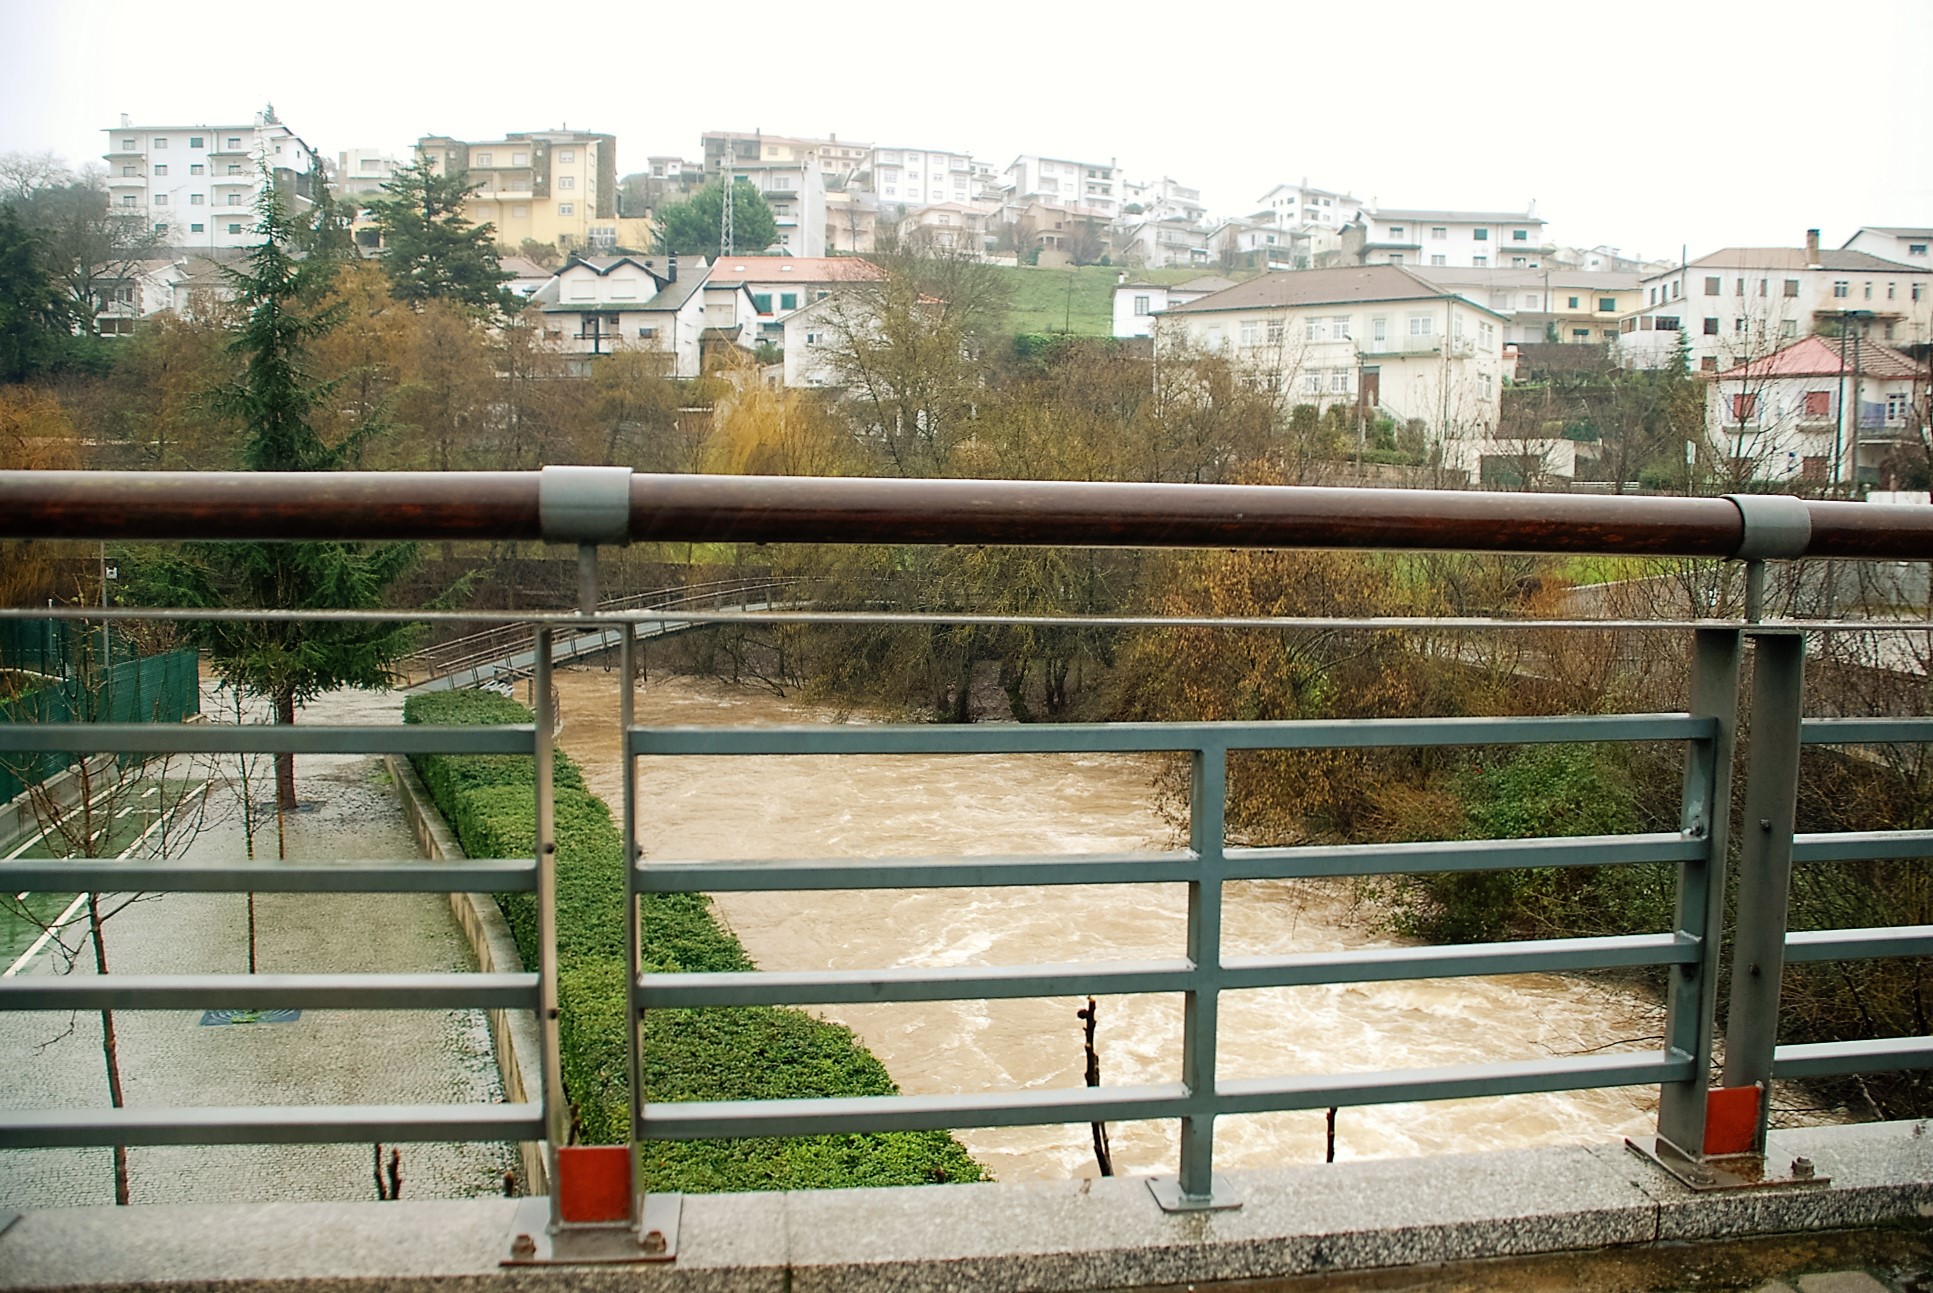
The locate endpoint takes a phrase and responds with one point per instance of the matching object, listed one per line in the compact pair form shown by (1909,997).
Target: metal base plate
(654,1239)
(1732,1172)
(1167,1193)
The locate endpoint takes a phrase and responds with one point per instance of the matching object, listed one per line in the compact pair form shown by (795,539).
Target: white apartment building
(1817,410)
(1376,336)
(1453,239)
(1136,304)
(917,177)
(1739,304)
(1161,243)
(1296,204)
(788,175)
(836,159)
(197,186)
(556,186)
(1095,186)
(1571,306)
(1907,246)
(1163,199)
(362,171)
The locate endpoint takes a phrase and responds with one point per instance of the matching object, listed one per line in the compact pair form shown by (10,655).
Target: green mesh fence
(161,688)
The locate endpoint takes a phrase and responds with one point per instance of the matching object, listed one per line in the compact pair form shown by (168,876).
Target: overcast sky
(1645,125)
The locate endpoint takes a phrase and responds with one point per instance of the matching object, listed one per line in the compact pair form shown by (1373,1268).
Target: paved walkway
(325,1057)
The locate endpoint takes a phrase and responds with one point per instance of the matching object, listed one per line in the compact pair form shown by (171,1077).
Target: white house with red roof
(1819,410)
(781,284)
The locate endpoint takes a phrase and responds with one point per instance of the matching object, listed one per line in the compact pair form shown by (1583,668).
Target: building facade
(1450,239)
(1571,306)
(1819,411)
(1094,186)
(554,186)
(196,187)
(1297,204)
(917,177)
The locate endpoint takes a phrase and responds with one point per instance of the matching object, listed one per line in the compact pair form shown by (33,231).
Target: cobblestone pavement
(325,1057)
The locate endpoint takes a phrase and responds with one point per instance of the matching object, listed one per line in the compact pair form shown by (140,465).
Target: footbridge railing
(1711,1127)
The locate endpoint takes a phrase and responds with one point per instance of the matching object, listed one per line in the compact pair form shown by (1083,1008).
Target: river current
(922,805)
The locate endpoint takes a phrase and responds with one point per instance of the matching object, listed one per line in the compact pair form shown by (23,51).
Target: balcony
(1199,1223)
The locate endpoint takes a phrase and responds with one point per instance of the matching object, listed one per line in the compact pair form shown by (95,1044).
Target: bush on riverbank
(727,1054)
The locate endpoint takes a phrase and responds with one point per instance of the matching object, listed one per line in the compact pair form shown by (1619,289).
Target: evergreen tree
(36,318)
(286,662)
(430,251)
(691,227)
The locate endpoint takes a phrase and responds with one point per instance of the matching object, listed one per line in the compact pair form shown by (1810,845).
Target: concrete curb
(512,1032)
(1074,1235)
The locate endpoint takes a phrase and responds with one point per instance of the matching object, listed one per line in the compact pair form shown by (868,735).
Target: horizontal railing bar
(679,875)
(271,992)
(707,1119)
(268,1125)
(1325,860)
(578,620)
(1860,846)
(1098,978)
(1456,1082)
(811,1117)
(488,875)
(1865,731)
(1859,944)
(1872,1055)
(265,738)
(802,509)
(1466,960)
(944,983)
(1097,738)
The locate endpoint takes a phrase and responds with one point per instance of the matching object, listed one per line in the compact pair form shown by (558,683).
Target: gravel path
(325,1057)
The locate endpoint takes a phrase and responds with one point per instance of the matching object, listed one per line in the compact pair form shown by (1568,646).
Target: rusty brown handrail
(774,509)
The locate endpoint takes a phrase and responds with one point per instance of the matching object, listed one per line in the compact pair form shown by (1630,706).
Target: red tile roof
(1826,357)
(792,269)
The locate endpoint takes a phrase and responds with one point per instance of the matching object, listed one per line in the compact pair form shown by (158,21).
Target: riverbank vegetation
(741,1053)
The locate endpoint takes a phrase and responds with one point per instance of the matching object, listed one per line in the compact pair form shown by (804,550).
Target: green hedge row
(725,1054)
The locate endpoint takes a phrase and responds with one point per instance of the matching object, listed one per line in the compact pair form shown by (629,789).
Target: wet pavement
(323,1057)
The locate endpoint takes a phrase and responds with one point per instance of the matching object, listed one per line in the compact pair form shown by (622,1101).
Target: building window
(567,182)
(127,199)
(762,302)
(1666,323)
(788,300)
(520,212)
(1422,325)
(1141,309)
(1396,258)
(1275,332)
(1792,287)
(1479,261)
(523,159)
(129,145)
(234,199)
(1818,404)
(1439,232)
(486,159)
(1481,235)
(1339,381)
(161,168)
(1396,231)
(161,228)
(1530,300)
(234,168)
(127,170)
(1916,249)
(1743,407)
(234,141)
(1573,303)
(1709,364)
(1434,260)
(1739,289)
(1379,329)
(161,199)
(1916,291)
(1251,332)
(195,199)
(1339,327)
(1580,334)
(1713,285)
(1738,325)
(1312,330)
(197,169)
(1841,288)
(1892,291)
(1897,402)
(1869,290)
(160,142)
(567,155)
(1788,328)
(195,228)
(1520,235)
(566,208)
(1607,305)
(194,141)
(1312,383)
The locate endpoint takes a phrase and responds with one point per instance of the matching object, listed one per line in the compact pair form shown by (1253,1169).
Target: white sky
(1646,124)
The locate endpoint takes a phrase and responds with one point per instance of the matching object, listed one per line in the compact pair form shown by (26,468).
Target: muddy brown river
(761,807)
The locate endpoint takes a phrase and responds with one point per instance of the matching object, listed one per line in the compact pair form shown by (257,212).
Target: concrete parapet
(1086,1235)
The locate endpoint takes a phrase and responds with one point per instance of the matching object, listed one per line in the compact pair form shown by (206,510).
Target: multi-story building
(1251,244)
(781,284)
(948,228)
(1162,199)
(789,175)
(836,159)
(1573,306)
(1739,304)
(1818,410)
(1161,243)
(1136,304)
(1376,337)
(362,172)
(196,186)
(555,186)
(917,177)
(1059,182)
(602,304)
(1455,239)
(1907,246)
(1299,204)
(852,222)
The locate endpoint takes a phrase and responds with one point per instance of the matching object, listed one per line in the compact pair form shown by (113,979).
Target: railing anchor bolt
(1802,1169)
(523,1247)
(654,1242)
(1765,823)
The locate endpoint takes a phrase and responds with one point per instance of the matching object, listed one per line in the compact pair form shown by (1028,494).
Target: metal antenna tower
(725,235)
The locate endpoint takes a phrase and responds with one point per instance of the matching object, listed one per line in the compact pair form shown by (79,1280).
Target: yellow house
(556,186)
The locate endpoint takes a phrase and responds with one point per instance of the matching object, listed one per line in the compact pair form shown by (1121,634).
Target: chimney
(671,267)
(1812,248)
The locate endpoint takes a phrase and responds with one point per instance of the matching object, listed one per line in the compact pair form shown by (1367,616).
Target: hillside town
(1412,319)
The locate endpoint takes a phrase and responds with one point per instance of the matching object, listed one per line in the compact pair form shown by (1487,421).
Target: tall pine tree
(430,251)
(287,662)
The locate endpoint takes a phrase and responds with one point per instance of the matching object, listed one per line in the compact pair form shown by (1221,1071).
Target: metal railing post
(556,1107)
(634,934)
(1692,994)
(1194,1188)
(1765,864)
